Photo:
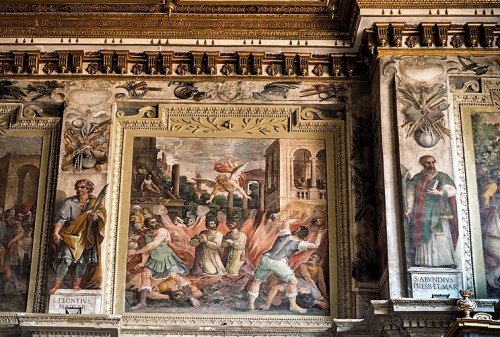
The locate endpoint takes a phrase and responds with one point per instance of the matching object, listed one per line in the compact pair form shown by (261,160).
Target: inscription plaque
(68,301)
(439,283)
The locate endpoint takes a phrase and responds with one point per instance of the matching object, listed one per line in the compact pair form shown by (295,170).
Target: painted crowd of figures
(182,261)
(16,243)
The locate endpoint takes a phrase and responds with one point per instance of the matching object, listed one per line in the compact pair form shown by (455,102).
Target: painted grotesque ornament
(424,114)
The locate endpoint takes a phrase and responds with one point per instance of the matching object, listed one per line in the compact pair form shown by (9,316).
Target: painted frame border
(242,121)
(473,97)
(31,121)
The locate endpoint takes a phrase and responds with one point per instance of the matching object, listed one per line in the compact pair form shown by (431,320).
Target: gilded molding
(408,4)
(462,99)
(316,7)
(128,26)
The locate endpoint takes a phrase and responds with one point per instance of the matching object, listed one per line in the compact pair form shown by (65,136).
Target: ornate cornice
(430,39)
(176,7)
(427,4)
(195,63)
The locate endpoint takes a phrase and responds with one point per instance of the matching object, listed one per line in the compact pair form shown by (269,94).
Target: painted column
(176,170)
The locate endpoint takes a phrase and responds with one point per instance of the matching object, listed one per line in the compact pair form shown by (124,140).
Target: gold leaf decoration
(209,125)
(4,123)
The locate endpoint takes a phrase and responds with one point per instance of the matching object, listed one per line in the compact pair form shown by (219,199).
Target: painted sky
(197,155)
(20,146)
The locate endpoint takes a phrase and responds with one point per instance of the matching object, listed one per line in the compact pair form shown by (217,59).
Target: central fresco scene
(228,225)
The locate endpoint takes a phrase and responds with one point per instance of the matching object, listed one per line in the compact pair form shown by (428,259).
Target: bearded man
(77,237)
(431,211)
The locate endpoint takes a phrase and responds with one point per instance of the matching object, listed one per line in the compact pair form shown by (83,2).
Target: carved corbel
(107,60)
(212,62)
(350,66)
(77,61)
(197,62)
(371,41)
(442,33)
(304,64)
(33,61)
(257,63)
(382,34)
(427,34)
(335,65)
(152,64)
(289,63)
(166,60)
(397,34)
(243,63)
(63,61)
(121,61)
(487,36)
(4,68)
(472,34)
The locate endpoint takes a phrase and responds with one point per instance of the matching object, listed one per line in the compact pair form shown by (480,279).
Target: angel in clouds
(229,183)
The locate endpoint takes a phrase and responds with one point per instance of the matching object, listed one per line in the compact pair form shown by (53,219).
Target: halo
(422,153)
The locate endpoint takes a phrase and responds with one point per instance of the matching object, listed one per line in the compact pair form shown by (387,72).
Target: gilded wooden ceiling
(270,19)
(306,37)
(306,20)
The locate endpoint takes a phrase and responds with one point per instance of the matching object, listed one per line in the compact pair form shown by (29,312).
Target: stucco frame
(26,120)
(471,97)
(174,120)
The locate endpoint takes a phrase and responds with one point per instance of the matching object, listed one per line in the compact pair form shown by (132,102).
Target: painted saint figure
(234,242)
(209,256)
(490,228)
(431,210)
(77,236)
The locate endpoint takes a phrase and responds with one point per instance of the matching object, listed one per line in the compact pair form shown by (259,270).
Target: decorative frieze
(171,63)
